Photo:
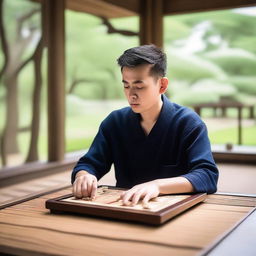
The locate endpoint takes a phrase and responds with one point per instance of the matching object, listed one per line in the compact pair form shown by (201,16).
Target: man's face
(141,89)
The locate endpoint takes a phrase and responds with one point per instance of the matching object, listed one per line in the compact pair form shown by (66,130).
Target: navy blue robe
(177,145)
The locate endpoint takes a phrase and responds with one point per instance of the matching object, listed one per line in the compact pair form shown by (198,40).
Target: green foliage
(246,84)
(182,93)
(245,42)
(212,86)
(174,29)
(126,23)
(92,54)
(234,61)
(191,67)
(230,26)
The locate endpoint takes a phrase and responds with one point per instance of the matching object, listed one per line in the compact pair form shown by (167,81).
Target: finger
(77,189)
(89,186)
(94,189)
(127,197)
(84,189)
(147,197)
(74,189)
(145,201)
(122,195)
(137,196)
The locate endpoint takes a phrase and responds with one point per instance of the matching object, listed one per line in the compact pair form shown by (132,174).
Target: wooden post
(54,12)
(151,22)
(239,109)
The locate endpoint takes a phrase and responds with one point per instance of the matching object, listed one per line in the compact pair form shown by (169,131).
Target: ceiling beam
(102,8)
(99,8)
(187,6)
(131,5)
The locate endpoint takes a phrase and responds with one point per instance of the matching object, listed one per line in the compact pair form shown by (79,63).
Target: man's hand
(146,191)
(85,185)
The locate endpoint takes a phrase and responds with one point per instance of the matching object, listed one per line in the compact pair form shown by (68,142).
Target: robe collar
(161,124)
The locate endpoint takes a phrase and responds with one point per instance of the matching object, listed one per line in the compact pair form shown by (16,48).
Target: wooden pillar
(54,18)
(151,22)
(239,117)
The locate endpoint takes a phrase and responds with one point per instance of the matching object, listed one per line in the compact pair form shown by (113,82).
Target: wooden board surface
(108,204)
(29,229)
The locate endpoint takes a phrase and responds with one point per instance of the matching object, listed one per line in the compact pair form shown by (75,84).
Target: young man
(156,146)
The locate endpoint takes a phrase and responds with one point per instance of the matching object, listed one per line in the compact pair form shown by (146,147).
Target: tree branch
(23,18)
(24,63)
(3,41)
(75,82)
(112,29)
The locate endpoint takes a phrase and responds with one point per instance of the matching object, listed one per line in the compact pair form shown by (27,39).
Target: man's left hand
(145,191)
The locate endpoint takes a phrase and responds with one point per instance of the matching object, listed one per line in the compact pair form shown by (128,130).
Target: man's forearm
(174,185)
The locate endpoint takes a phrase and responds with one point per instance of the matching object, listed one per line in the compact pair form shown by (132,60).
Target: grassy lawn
(230,135)
(78,144)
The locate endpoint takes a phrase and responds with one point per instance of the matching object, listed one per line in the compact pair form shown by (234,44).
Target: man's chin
(136,109)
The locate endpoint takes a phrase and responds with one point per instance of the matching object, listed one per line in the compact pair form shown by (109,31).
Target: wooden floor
(33,188)
(237,178)
(233,178)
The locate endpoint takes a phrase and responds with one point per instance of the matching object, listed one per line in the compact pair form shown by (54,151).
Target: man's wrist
(81,173)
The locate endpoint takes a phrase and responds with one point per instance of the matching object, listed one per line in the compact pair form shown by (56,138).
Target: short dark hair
(145,54)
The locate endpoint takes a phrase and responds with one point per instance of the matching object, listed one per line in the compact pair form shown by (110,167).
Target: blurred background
(211,60)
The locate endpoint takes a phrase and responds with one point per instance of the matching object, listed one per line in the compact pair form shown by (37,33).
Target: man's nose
(132,94)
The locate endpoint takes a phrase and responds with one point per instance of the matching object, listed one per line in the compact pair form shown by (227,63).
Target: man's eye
(139,88)
(126,86)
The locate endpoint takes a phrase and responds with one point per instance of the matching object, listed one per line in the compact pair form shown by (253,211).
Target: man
(156,146)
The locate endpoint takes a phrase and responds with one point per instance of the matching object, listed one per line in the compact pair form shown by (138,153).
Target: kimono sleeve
(203,173)
(97,161)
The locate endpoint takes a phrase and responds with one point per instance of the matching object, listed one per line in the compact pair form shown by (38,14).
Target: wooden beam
(187,6)
(54,12)
(132,5)
(151,22)
(108,9)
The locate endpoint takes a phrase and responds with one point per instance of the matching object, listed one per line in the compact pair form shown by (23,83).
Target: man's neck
(151,116)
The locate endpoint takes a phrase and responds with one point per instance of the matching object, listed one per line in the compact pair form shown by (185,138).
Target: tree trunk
(9,138)
(35,123)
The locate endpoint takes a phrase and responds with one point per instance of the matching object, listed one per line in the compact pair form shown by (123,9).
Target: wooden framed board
(107,204)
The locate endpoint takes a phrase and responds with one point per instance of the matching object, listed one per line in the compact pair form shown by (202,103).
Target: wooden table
(29,229)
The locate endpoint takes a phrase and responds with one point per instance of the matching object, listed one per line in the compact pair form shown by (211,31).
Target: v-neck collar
(160,125)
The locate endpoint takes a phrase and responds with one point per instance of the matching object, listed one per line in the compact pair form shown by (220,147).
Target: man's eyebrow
(137,82)
(134,82)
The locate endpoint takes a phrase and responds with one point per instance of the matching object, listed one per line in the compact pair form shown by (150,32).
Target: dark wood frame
(56,205)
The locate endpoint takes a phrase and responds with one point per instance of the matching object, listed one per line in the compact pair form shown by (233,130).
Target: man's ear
(163,84)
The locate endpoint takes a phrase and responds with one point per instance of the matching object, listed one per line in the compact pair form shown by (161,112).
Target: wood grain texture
(29,227)
(24,191)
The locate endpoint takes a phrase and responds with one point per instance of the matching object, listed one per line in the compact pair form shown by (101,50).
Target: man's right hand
(85,185)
